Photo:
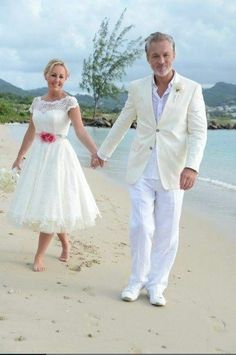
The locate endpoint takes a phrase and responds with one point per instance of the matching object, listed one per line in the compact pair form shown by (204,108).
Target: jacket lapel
(171,101)
(147,99)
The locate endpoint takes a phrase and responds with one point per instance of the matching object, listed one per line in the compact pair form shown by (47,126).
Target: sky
(34,31)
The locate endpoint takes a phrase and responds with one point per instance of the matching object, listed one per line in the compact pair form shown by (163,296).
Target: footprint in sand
(93,324)
(87,254)
(220,351)
(20,338)
(218,324)
(87,263)
(89,291)
(61,284)
(135,350)
(93,319)
(75,267)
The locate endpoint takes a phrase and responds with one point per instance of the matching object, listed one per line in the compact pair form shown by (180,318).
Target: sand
(75,307)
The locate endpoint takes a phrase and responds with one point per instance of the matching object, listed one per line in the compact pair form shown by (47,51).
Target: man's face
(161,56)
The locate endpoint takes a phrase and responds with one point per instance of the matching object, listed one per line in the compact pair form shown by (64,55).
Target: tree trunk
(95,107)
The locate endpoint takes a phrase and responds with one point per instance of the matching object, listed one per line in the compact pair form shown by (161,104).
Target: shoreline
(75,307)
(104,122)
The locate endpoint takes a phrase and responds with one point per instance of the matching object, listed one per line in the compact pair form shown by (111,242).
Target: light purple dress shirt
(151,171)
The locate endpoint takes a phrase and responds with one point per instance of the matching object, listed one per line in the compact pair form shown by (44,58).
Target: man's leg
(142,224)
(166,236)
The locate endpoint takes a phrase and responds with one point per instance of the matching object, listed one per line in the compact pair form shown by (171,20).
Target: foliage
(16,98)
(112,54)
(5,107)
(14,108)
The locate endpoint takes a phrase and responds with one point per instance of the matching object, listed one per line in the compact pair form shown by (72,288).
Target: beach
(75,307)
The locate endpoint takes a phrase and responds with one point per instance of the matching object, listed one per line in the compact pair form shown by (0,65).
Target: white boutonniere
(178,89)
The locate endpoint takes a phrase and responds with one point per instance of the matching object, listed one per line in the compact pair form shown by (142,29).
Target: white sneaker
(131,293)
(156,299)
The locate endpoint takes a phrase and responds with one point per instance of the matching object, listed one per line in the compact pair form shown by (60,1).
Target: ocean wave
(218,183)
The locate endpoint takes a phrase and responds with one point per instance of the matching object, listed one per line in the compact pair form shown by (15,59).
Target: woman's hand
(27,141)
(17,163)
(96,161)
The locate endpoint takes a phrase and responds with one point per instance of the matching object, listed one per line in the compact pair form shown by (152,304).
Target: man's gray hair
(158,37)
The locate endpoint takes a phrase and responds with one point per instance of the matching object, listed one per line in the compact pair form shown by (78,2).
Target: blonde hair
(52,63)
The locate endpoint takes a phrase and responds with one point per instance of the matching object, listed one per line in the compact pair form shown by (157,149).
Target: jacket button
(150,148)
(157,130)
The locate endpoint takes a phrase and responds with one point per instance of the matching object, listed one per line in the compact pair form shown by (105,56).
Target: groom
(164,161)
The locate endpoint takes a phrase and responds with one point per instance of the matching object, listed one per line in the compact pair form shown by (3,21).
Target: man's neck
(164,80)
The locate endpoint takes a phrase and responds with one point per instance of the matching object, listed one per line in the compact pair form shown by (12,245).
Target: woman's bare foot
(65,254)
(44,240)
(38,264)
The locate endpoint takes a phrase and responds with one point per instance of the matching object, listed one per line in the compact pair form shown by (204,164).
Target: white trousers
(154,232)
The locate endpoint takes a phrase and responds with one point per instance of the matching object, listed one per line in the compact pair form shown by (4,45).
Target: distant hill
(37,92)
(220,94)
(107,103)
(6,87)
(85,100)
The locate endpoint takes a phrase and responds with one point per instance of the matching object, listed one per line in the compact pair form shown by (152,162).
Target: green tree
(112,54)
(5,107)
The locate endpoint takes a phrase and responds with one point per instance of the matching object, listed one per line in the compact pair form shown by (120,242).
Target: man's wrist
(102,156)
(195,171)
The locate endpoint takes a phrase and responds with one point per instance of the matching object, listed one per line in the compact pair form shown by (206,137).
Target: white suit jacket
(180,134)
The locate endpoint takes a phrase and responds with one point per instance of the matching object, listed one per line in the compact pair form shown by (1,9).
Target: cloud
(34,31)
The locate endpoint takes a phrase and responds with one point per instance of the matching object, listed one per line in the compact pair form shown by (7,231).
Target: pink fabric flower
(47,137)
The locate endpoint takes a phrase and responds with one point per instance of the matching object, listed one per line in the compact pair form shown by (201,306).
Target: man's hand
(187,178)
(96,161)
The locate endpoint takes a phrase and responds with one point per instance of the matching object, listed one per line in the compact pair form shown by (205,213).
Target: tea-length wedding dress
(52,194)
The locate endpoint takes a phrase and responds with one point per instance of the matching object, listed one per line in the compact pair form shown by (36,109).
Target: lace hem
(53,226)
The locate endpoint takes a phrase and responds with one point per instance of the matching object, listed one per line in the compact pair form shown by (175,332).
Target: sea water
(214,195)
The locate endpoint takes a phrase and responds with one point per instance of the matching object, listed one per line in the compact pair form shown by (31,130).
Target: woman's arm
(82,134)
(26,143)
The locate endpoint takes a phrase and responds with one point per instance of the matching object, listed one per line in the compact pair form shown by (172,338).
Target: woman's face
(56,77)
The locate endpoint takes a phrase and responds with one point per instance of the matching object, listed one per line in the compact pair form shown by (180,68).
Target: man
(164,161)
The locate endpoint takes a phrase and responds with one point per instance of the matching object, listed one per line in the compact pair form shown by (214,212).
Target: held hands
(96,161)
(187,178)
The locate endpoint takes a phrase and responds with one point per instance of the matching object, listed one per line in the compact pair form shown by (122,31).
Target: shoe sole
(158,304)
(127,299)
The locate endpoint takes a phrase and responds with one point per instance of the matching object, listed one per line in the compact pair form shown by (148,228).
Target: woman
(52,195)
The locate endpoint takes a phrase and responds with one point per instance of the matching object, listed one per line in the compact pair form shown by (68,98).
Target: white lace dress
(52,194)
